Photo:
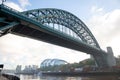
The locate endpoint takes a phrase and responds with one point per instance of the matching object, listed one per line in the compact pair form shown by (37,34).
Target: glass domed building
(52,62)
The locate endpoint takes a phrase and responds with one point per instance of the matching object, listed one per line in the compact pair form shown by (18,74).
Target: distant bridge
(54,26)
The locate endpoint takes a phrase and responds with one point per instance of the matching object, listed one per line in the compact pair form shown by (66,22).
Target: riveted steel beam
(10,25)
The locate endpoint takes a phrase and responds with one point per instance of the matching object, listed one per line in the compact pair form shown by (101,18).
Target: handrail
(16,11)
(9,8)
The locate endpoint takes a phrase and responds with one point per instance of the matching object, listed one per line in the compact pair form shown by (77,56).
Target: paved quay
(3,78)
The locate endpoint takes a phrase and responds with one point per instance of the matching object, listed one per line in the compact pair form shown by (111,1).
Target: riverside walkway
(3,78)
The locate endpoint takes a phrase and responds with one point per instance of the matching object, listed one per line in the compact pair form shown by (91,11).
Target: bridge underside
(22,26)
(48,37)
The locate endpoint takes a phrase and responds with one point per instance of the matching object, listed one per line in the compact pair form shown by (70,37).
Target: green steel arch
(63,18)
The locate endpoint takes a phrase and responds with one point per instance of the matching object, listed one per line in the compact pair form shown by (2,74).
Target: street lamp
(3,1)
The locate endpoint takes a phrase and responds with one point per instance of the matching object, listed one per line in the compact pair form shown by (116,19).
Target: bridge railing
(9,8)
(17,12)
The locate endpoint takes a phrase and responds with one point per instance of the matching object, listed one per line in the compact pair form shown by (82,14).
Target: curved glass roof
(52,62)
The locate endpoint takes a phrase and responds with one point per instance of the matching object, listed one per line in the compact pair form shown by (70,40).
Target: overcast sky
(101,16)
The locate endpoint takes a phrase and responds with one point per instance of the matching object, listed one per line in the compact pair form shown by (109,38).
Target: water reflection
(36,77)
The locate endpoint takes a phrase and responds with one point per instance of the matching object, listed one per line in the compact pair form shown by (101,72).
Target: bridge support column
(110,57)
(105,59)
(101,60)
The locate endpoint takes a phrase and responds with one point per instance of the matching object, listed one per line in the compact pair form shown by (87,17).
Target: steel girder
(6,25)
(66,19)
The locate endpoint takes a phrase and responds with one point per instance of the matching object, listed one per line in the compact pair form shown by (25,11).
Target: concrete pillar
(110,57)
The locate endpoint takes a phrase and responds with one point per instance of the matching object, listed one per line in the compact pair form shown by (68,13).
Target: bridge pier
(101,60)
(106,59)
(110,57)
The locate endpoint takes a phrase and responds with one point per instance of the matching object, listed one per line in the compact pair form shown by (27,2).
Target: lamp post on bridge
(3,1)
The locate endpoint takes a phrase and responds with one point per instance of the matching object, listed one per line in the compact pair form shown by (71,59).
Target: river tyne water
(35,77)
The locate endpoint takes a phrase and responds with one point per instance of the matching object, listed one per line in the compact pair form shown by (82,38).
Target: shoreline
(79,73)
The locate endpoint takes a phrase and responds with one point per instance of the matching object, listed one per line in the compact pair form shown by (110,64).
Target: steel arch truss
(64,21)
(63,18)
